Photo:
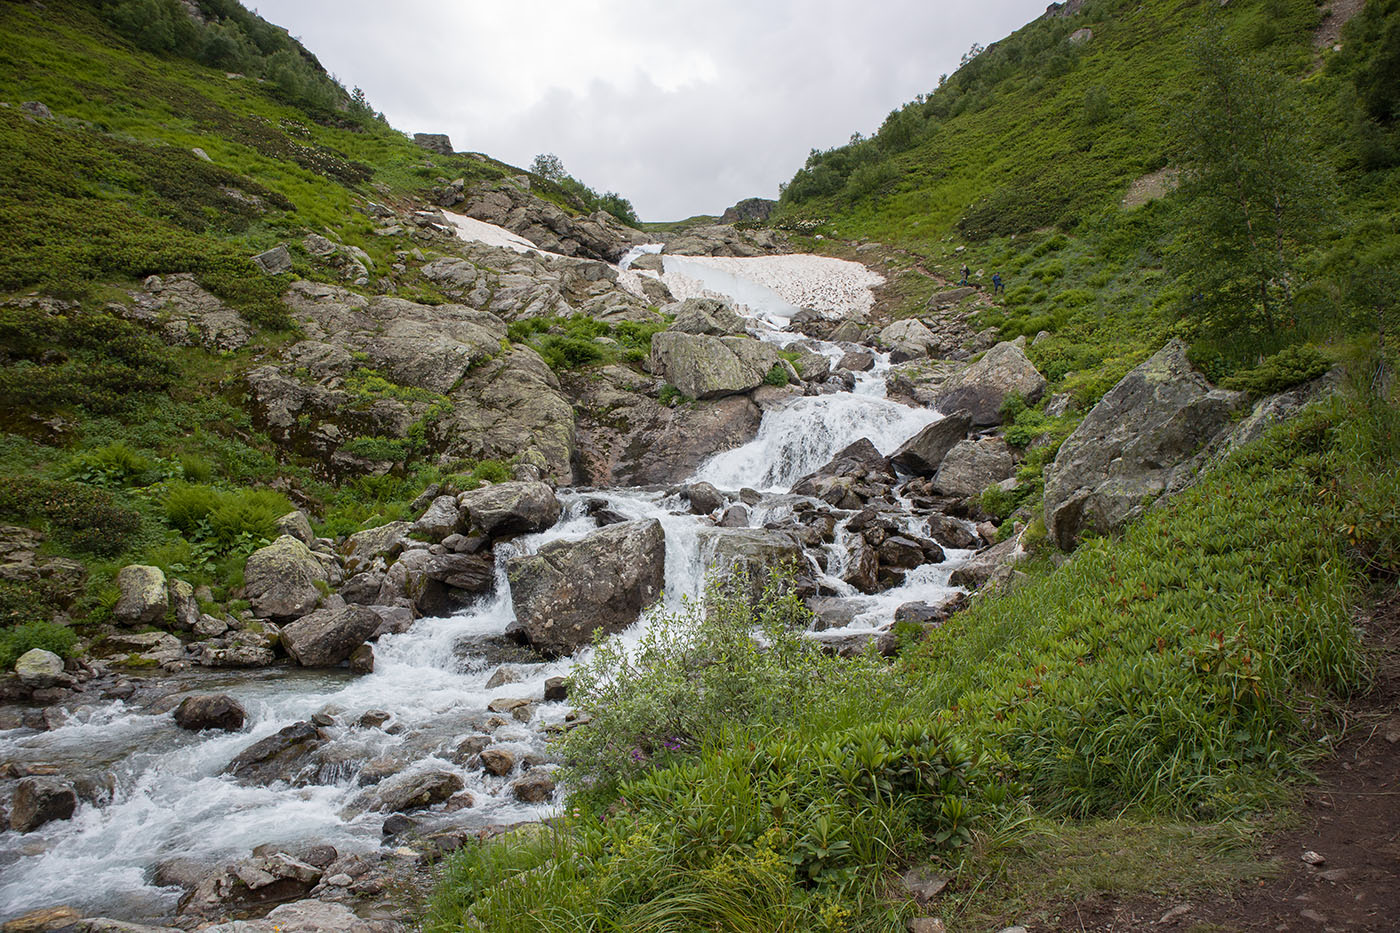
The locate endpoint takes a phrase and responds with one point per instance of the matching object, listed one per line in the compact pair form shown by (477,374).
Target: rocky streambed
(429,658)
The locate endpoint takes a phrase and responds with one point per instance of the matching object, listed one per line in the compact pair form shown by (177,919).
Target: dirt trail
(1351,819)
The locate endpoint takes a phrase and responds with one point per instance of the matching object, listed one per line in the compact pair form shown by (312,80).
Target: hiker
(997,284)
(964,274)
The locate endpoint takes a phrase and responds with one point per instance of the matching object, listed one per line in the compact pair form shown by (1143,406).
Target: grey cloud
(683,107)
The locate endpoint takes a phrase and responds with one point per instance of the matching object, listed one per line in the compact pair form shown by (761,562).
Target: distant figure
(997,284)
(964,274)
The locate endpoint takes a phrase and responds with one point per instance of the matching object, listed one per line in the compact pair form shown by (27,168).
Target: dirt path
(1351,819)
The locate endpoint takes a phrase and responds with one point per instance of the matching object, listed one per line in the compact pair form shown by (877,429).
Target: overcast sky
(681,106)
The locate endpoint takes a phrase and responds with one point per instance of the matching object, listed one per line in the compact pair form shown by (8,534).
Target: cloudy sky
(682,106)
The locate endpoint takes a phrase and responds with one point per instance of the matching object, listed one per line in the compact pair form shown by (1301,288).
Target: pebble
(927,925)
(1313,858)
(1180,910)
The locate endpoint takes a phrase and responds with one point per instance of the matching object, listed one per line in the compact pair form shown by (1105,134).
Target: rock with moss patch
(37,669)
(704,367)
(284,580)
(519,507)
(144,597)
(981,389)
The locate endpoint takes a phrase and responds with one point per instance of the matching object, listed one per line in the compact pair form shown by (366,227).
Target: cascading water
(161,794)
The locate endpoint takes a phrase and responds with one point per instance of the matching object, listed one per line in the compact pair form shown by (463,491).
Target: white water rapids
(162,795)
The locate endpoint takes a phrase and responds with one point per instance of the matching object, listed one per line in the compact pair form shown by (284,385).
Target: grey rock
(183,605)
(570,589)
(296,524)
(706,316)
(981,389)
(363,548)
(1137,442)
(556,689)
(281,579)
(434,142)
(210,711)
(40,800)
(703,497)
(279,757)
(971,466)
(924,452)
(37,669)
(413,791)
(755,554)
(704,367)
(442,518)
(510,508)
(327,637)
(275,261)
(144,597)
(362,660)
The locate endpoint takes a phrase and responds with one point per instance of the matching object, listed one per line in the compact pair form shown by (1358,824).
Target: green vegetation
(548,166)
(18,639)
(1186,671)
(573,343)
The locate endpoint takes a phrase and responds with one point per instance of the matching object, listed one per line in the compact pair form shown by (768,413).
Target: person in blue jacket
(997,284)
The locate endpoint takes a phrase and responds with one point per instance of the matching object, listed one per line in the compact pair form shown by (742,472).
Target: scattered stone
(414,791)
(1313,858)
(298,525)
(1335,875)
(275,261)
(36,109)
(362,660)
(40,800)
(497,761)
(923,884)
(556,689)
(535,787)
(279,757)
(926,925)
(210,711)
(1177,912)
(373,719)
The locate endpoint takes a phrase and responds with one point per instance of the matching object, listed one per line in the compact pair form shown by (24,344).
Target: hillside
(391,536)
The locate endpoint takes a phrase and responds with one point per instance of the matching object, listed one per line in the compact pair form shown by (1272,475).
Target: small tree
(548,165)
(1253,192)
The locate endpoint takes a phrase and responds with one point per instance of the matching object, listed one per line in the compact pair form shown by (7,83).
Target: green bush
(777,376)
(186,506)
(85,518)
(114,466)
(247,512)
(1287,368)
(566,353)
(18,639)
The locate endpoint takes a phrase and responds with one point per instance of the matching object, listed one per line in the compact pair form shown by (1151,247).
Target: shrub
(186,506)
(18,639)
(1285,369)
(114,466)
(250,512)
(85,518)
(565,353)
(777,376)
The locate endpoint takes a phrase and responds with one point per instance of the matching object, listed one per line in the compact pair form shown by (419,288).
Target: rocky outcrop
(570,589)
(363,548)
(433,142)
(1137,442)
(144,597)
(210,711)
(705,367)
(706,316)
(924,452)
(40,800)
(720,240)
(327,637)
(187,315)
(281,580)
(971,466)
(509,509)
(981,389)
(753,210)
(594,236)
(626,437)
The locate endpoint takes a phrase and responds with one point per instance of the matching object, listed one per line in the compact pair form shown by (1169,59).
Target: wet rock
(704,498)
(362,660)
(42,921)
(373,719)
(831,612)
(327,637)
(412,791)
(497,761)
(144,596)
(863,567)
(397,825)
(210,711)
(505,674)
(856,473)
(857,361)
(40,800)
(37,668)
(279,757)
(989,568)
(924,452)
(469,748)
(281,580)
(363,548)
(950,532)
(736,516)
(556,689)
(157,647)
(535,787)
(570,589)
(981,389)
(510,508)
(1136,443)
(972,466)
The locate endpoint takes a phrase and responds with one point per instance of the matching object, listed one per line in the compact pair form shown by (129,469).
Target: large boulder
(512,508)
(452,581)
(327,637)
(144,597)
(906,340)
(414,791)
(705,367)
(924,452)
(40,800)
(442,518)
(855,474)
(972,466)
(281,580)
(1138,441)
(210,711)
(363,548)
(981,389)
(37,668)
(756,554)
(570,589)
(706,316)
(307,916)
